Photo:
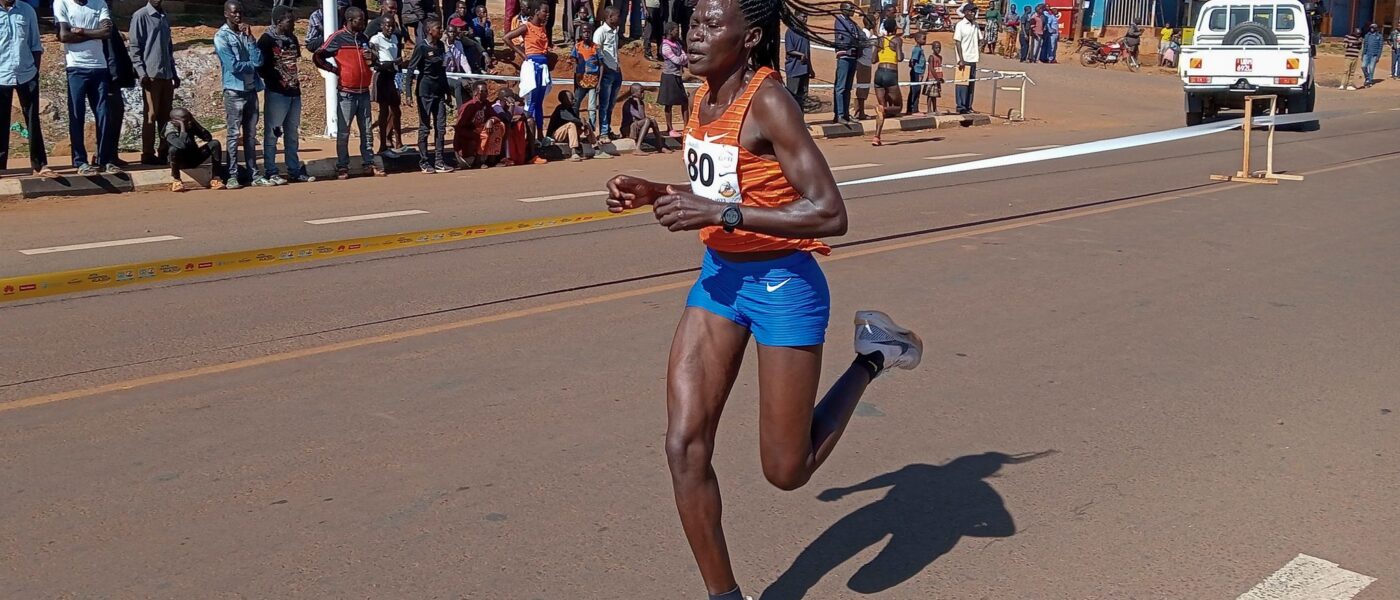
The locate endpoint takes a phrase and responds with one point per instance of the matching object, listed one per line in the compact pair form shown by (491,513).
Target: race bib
(713,170)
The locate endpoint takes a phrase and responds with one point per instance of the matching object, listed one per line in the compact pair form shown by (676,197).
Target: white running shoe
(877,332)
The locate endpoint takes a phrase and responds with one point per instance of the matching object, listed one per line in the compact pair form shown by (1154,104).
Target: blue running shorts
(783,302)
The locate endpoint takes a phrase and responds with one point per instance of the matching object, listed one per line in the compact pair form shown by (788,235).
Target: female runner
(760,193)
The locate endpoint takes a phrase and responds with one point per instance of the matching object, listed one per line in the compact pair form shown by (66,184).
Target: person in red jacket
(354,65)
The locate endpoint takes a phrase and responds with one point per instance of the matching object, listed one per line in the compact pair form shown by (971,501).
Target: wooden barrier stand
(1245,174)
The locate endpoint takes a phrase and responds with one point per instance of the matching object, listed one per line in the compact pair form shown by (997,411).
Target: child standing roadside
(933,86)
(918,64)
(428,63)
(673,61)
(388,43)
(588,69)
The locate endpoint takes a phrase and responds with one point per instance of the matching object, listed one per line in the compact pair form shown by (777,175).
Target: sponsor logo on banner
(206,265)
(354,246)
(146,272)
(125,275)
(98,278)
(75,281)
(189,266)
(284,256)
(265,257)
(305,252)
(9,289)
(324,249)
(167,269)
(28,287)
(245,260)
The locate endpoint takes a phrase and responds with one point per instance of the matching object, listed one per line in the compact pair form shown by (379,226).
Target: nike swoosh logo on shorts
(773,288)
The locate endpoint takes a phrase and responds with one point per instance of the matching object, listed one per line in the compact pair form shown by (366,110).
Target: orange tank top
(536,40)
(721,169)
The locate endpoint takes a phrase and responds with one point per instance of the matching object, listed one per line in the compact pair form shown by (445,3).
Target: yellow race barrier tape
(25,287)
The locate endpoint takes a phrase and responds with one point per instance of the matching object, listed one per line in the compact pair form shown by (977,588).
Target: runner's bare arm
(628,192)
(511,36)
(773,129)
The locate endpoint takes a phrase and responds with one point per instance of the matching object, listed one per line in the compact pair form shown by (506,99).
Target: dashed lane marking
(1309,578)
(92,245)
(1045,147)
(952,156)
(852,167)
(369,217)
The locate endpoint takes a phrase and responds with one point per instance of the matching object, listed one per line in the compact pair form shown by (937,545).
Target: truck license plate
(1244,65)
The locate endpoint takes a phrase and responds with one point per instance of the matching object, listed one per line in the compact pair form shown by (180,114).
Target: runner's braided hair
(770,15)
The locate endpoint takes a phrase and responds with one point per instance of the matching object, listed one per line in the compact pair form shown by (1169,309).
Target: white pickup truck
(1245,47)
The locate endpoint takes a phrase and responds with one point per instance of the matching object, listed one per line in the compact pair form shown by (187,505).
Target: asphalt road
(1138,384)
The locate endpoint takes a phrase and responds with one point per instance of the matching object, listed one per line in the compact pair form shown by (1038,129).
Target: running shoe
(263,182)
(112,169)
(303,178)
(278,180)
(442,167)
(232,184)
(877,332)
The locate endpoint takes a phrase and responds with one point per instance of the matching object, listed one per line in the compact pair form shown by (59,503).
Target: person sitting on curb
(478,135)
(636,122)
(566,125)
(184,134)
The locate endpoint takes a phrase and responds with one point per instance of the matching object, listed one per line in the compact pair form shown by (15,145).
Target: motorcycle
(1091,52)
(932,17)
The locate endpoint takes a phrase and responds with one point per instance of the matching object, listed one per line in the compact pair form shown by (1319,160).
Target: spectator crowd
(411,53)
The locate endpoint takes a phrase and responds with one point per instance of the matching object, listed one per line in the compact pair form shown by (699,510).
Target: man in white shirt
(82,27)
(967,48)
(610,80)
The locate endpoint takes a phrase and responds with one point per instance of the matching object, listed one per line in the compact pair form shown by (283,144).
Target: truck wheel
(1250,33)
(1309,99)
(1194,118)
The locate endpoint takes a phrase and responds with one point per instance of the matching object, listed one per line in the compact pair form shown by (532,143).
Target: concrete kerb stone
(835,130)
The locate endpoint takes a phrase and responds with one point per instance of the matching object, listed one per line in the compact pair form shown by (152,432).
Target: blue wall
(1341,15)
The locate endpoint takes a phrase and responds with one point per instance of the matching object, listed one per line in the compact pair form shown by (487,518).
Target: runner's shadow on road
(926,511)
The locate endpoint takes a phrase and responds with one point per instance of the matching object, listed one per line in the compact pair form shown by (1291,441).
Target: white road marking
(597,193)
(1309,578)
(567,196)
(383,215)
(850,167)
(1045,147)
(952,156)
(91,245)
(1396,108)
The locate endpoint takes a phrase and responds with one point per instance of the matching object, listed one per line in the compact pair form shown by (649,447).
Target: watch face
(731,216)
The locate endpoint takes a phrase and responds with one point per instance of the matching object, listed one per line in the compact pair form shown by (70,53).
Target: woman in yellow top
(889,52)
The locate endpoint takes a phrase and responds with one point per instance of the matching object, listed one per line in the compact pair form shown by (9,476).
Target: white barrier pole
(328,23)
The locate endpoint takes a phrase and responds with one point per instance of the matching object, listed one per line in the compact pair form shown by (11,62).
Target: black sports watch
(731,218)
